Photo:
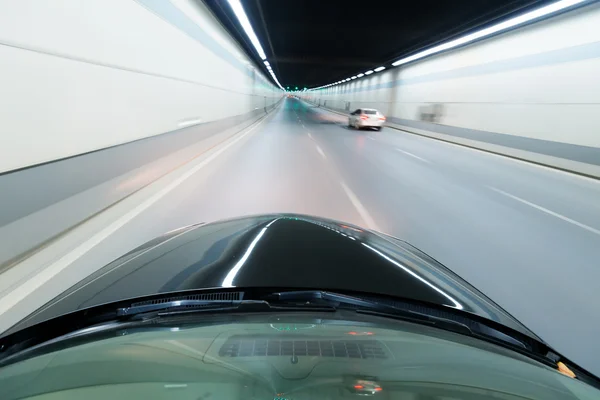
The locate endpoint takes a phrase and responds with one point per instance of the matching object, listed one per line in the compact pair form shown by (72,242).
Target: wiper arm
(175,304)
(368,307)
(194,306)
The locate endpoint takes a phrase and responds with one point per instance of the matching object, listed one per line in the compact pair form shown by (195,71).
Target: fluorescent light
(540,12)
(379,69)
(360,75)
(353,77)
(239,12)
(369,72)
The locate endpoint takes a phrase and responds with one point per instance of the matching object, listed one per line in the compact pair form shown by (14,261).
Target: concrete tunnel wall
(78,76)
(535,89)
(99,98)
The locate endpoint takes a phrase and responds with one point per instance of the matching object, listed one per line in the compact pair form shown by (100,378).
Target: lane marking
(414,156)
(320,150)
(503,157)
(569,220)
(309,135)
(362,211)
(482,151)
(10,299)
(369,137)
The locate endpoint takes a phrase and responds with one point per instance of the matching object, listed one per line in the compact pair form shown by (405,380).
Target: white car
(366,118)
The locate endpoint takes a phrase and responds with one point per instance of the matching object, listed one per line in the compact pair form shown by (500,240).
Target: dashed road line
(414,156)
(321,152)
(557,215)
(362,211)
(31,285)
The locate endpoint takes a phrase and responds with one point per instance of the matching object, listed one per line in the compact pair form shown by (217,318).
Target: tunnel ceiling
(315,42)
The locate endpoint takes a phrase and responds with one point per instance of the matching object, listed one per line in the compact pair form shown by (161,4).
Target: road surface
(526,235)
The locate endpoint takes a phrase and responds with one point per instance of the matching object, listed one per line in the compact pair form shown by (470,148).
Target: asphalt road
(525,235)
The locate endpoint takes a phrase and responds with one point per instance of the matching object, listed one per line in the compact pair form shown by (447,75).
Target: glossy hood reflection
(277,251)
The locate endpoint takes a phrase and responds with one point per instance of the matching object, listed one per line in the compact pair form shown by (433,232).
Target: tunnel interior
(469,130)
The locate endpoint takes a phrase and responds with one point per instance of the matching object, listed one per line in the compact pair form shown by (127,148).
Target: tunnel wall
(535,89)
(100,98)
(78,76)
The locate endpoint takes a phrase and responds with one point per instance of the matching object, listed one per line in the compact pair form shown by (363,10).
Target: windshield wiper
(176,304)
(370,307)
(193,306)
(364,306)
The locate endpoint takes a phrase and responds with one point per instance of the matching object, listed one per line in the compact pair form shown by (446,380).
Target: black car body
(279,251)
(246,257)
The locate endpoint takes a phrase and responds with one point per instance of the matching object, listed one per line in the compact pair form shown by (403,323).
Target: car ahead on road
(279,306)
(366,118)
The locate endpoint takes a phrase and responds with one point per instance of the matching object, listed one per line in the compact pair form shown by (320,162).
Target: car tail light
(382,118)
(364,117)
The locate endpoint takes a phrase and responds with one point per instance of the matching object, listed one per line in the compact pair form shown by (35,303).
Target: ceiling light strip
(503,26)
(500,27)
(239,12)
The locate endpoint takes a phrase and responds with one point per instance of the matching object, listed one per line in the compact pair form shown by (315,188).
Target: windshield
(284,357)
(442,157)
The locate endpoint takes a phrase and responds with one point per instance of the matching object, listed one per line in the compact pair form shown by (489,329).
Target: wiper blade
(367,306)
(194,306)
(363,306)
(175,304)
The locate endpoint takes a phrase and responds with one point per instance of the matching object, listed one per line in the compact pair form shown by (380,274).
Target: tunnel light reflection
(457,305)
(228,282)
(530,16)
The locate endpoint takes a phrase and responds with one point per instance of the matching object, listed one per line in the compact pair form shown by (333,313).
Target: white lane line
(362,211)
(369,137)
(579,224)
(321,152)
(309,135)
(414,156)
(28,287)
(503,157)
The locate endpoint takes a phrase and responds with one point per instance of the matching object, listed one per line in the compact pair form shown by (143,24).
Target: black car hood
(277,251)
